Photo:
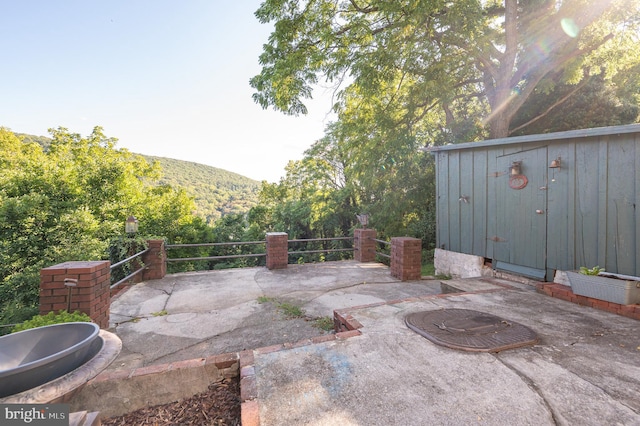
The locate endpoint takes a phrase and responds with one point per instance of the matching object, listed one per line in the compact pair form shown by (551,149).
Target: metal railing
(230,256)
(311,240)
(257,255)
(123,262)
(382,254)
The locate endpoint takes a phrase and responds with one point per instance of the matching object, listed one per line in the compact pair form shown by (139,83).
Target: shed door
(521,214)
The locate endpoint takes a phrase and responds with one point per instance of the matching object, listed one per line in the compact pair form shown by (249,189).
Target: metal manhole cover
(470,330)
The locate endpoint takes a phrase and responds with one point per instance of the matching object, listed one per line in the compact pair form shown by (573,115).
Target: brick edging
(561,291)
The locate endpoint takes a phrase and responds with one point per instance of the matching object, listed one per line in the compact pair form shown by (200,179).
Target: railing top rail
(234,243)
(231,256)
(320,239)
(381,241)
(128,277)
(122,262)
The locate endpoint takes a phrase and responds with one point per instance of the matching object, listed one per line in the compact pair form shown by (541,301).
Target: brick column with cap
(364,246)
(406,258)
(87,285)
(155,261)
(277,250)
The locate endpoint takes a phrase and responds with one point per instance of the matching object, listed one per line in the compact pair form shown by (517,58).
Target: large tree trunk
(501,87)
(499,126)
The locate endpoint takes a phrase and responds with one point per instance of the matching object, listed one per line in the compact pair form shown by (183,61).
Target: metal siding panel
(492,185)
(479,203)
(454,208)
(621,205)
(560,186)
(602,243)
(539,224)
(636,179)
(586,201)
(466,199)
(442,201)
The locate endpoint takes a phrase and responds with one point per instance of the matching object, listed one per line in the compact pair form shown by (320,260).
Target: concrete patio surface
(197,314)
(584,370)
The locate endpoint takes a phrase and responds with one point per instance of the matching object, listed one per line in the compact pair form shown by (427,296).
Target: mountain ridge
(217,192)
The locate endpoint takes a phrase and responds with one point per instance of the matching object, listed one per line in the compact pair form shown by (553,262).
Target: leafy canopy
(66,201)
(476,61)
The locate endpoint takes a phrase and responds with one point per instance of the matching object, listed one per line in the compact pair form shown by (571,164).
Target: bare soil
(218,406)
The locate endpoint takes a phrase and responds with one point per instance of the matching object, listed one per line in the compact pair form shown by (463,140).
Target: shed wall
(590,216)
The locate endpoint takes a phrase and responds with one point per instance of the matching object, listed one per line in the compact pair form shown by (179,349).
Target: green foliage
(466,67)
(264,299)
(324,323)
(66,200)
(121,248)
(593,103)
(428,269)
(216,192)
(290,310)
(591,271)
(50,319)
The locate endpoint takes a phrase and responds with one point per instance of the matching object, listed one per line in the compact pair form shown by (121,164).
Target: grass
(288,309)
(428,269)
(324,323)
(291,311)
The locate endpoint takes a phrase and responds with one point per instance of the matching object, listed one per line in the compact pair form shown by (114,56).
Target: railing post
(364,245)
(155,261)
(277,250)
(89,294)
(406,258)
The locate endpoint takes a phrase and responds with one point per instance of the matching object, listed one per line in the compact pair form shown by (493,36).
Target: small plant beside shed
(595,282)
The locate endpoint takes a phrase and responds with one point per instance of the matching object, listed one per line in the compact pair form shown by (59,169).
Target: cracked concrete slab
(584,370)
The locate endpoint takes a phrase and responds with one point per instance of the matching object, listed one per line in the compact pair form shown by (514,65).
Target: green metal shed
(541,203)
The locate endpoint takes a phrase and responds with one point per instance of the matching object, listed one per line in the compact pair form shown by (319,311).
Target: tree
(592,103)
(478,62)
(68,201)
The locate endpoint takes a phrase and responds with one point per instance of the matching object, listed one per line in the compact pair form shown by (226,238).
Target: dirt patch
(218,406)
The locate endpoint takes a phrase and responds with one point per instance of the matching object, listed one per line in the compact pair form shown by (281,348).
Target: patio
(584,370)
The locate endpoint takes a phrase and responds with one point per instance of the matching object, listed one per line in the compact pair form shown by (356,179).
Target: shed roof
(571,134)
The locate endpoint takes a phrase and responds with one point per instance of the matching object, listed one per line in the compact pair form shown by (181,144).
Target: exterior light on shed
(131,225)
(515,168)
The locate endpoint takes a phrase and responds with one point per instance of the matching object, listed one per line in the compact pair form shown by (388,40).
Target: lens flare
(570,27)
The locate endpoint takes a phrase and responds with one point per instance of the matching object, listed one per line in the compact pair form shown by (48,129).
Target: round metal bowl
(36,356)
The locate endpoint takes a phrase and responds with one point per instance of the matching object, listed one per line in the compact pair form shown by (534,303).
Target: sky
(168,78)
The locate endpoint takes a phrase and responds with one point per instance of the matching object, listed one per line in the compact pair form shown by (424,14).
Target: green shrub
(591,271)
(51,318)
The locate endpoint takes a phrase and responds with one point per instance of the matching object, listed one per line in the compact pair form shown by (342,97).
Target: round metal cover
(469,330)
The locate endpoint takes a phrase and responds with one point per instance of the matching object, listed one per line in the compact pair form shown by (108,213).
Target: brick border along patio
(561,291)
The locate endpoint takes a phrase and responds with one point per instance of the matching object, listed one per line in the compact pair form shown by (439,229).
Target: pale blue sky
(167,78)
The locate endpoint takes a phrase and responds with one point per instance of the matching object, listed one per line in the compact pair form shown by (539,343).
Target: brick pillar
(277,250)
(406,258)
(364,246)
(91,294)
(155,261)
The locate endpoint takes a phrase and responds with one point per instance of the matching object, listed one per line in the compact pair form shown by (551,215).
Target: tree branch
(548,110)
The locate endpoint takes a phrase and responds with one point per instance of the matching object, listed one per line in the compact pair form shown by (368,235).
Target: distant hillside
(217,192)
